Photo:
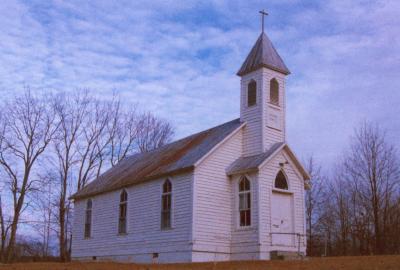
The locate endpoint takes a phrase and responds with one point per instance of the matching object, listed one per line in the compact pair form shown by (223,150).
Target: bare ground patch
(333,263)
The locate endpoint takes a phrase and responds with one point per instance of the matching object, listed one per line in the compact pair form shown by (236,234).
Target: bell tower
(262,96)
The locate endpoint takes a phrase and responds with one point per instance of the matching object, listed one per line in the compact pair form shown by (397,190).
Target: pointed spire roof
(263,54)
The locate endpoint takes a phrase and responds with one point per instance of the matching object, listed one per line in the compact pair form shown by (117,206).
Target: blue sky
(179,59)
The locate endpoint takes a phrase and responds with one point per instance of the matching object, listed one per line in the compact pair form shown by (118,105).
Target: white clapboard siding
(252,133)
(267,176)
(212,201)
(258,135)
(273,135)
(144,235)
(244,244)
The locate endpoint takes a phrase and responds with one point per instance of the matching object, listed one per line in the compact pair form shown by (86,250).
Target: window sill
(276,106)
(167,229)
(275,128)
(246,228)
(278,190)
(122,234)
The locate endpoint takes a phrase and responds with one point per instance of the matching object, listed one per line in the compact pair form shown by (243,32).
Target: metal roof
(251,163)
(172,158)
(263,54)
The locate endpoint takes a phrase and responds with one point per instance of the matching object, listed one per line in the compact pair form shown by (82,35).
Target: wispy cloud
(179,59)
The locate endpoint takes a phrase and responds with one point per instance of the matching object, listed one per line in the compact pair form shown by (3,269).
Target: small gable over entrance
(256,162)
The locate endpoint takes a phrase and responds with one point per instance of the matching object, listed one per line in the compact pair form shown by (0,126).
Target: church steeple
(263,54)
(263,104)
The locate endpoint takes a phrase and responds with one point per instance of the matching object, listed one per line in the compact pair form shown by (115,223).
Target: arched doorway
(282,225)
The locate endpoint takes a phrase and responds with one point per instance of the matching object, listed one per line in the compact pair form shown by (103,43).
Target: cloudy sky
(179,59)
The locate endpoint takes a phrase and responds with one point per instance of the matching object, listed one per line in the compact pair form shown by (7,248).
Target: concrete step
(286,255)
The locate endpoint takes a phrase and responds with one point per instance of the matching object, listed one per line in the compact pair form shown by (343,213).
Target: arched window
(88,219)
(244,202)
(280,181)
(274,92)
(166,205)
(123,207)
(251,93)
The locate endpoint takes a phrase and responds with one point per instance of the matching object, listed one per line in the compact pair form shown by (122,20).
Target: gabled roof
(251,163)
(254,163)
(178,156)
(263,54)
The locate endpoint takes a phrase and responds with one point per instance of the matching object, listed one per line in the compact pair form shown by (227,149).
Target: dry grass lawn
(336,263)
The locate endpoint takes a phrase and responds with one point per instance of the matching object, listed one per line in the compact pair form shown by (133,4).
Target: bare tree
(313,201)
(326,225)
(131,132)
(392,239)
(152,132)
(123,131)
(94,135)
(372,166)
(4,228)
(359,212)
(71,113)
(341,198)
(43,209)
(87,135)
(28,129)
(94,141)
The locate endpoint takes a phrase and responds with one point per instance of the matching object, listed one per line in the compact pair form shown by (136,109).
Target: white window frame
(171,193)
(126,212)
(91,220)
(275,189)
(238,202)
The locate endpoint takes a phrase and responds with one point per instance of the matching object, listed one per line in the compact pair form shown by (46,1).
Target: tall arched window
(88,219)
(252,93)
(281,181)
(166,205)
(274,92)
(123,207)
(244,202)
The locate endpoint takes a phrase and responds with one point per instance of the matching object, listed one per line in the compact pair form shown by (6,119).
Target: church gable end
(282,192)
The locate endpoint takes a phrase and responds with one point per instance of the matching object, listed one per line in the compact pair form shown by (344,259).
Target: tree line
(355,209)
(51,146)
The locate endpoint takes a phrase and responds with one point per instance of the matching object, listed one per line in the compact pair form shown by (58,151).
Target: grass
(333,263)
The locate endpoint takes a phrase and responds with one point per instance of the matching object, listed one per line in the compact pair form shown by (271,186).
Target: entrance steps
(286,255)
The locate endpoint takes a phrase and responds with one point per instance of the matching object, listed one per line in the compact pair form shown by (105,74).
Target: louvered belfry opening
(274,92)
(252,93)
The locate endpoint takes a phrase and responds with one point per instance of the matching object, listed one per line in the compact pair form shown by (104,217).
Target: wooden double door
(282,216)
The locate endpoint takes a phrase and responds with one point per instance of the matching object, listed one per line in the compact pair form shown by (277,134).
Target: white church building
(232,192)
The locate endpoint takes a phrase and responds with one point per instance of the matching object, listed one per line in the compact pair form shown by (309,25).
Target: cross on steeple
(263,13)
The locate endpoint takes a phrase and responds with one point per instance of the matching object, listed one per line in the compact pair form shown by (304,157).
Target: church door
(282,227)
